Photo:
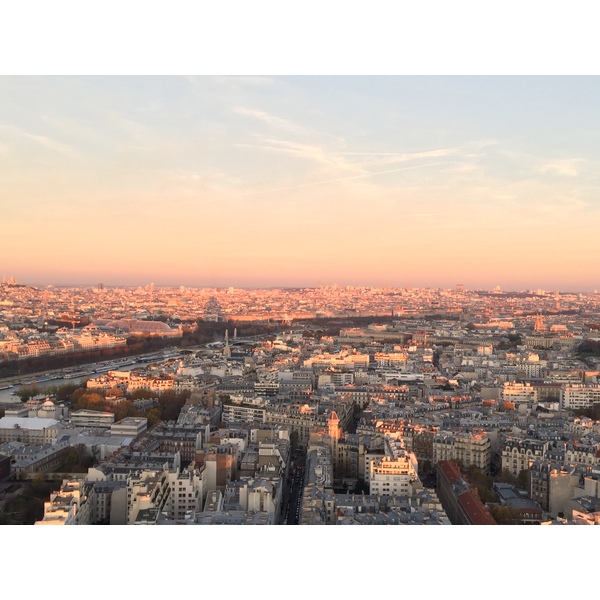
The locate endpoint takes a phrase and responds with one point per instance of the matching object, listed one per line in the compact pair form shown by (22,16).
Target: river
(7,395)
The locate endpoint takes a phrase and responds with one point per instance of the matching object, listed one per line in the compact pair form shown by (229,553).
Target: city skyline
(80,155)
(301,181)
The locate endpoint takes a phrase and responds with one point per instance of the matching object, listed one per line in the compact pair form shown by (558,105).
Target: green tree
(507,477)
(63,393)
(505,515)
(26,392)
(142,394)
(482,482)
(154,416)
(123,409)
(361,487)
(523,480)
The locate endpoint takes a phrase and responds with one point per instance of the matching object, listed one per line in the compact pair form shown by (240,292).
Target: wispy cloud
(341,179)
(404,156)
(40,140)
(311,152)
(269,119)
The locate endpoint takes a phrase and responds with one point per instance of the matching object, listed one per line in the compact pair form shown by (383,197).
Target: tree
(95,452)
(123,409)
(142,394)
(507,477)
(63,393)
(154,416)
(171,403)
(38,482)
(77,459)
(361,487)
(482,482)
(115,393)
(26,392)
(91,401)
(505,515)
(523,480)
(76,395)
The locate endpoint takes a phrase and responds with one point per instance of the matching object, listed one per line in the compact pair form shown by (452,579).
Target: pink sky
(285,181)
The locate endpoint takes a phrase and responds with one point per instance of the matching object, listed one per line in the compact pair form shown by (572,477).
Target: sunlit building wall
(393,475)
(517,454)
(579,396)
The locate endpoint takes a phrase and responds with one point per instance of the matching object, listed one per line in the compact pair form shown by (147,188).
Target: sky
(260,181)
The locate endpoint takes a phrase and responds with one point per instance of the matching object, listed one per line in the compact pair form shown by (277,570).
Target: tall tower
(539,323)
(227,349)
(333,423)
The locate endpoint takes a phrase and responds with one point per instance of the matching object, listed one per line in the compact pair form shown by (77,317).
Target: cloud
(269,119)
(343,178)
(40,140)
(402,157)
(566,167)
(311,152)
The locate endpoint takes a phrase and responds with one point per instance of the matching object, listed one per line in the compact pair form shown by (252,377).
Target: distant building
(132,426)
(30,430)
(92,418)
(579,396)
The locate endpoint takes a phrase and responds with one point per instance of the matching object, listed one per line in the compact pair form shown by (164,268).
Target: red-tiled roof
(449,470)
(475,510)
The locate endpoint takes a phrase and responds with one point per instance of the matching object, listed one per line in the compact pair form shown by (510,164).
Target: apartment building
(62,507)
(245,410)
(553,484)
(461,502)
(470,448)
(580,396)
(519,393)
(394,475)
(517,454)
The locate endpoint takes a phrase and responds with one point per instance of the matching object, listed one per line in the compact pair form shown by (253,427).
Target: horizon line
(497,289)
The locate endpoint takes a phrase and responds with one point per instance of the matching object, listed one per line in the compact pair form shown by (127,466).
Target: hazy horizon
(297,181)
(177,286)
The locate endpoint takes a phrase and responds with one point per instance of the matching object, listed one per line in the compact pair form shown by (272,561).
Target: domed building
(49,410)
